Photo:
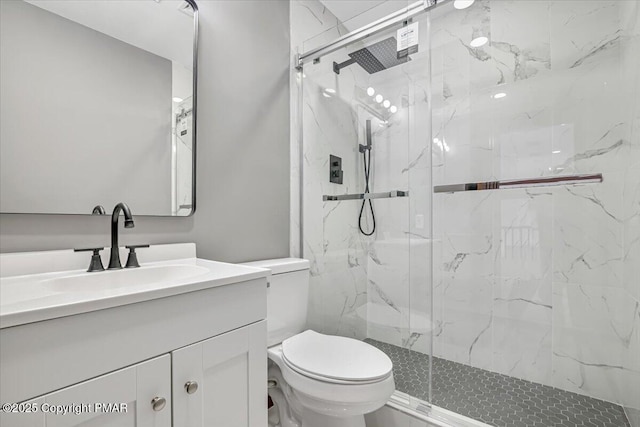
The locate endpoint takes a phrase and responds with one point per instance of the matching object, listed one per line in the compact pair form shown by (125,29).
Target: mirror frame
(194,115)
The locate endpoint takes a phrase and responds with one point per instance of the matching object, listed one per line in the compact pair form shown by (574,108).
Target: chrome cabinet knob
(158,403)
(191,387)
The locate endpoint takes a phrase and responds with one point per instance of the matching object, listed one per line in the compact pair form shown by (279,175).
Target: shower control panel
(335,169)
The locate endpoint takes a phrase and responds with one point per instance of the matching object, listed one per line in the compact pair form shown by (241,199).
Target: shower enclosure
(501,146)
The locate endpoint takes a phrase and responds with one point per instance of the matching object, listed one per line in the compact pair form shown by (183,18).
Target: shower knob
(191,387)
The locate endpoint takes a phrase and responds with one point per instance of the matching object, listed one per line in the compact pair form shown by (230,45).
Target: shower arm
(337,67)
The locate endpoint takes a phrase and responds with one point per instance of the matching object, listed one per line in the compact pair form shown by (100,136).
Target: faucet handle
(96,261)
(132,259)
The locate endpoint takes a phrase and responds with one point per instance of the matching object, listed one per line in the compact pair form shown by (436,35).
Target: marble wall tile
(631,231)
(540,284)
(324,125)
(522,297)
(588,138)
(588,228)
(520,39)
(594,341)
(571,106)
(465,333)
(582,31)
(309,18)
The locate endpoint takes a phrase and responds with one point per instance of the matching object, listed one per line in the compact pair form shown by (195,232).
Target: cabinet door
(231,375)
(119,399)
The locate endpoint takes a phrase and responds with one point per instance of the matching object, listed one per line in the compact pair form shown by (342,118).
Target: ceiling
(347,9)
(356,13)
(158,27)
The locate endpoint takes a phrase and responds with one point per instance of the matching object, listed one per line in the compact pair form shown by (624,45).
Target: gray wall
(78,106)
(243,149)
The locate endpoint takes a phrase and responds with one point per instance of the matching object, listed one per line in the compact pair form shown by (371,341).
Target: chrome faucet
(114,259)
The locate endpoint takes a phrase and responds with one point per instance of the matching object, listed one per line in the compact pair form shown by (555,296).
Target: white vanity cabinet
(210,336)
(221,381)
(217,382)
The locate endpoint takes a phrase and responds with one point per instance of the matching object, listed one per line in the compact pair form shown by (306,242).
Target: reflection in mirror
(97,106)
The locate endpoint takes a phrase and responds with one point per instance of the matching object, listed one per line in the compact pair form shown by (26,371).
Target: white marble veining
(552,296)
(595,343)
(329,126)
(542,284)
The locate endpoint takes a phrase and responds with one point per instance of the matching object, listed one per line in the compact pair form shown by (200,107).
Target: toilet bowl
(334,380)
(317,380)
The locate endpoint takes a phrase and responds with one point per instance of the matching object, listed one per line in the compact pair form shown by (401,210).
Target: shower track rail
(520,183)
(396,18)
(365,196)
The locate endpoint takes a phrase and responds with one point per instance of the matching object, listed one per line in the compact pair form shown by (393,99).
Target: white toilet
(317,380)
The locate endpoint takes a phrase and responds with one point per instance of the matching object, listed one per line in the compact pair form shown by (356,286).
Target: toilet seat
(334,359)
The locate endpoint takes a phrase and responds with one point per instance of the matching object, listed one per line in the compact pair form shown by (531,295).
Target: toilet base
(313,419)
(292,414)
(306,402)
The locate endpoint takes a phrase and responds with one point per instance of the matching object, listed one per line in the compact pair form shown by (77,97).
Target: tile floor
(497,399)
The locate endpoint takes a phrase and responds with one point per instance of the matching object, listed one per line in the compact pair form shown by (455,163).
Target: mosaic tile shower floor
(496,399)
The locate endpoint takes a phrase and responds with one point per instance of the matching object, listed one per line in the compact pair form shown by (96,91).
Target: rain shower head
(377,57)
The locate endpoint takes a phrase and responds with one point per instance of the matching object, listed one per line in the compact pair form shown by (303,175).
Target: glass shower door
(371,271)
(535,288)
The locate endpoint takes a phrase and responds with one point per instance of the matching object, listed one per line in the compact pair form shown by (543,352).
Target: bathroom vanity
(179,341)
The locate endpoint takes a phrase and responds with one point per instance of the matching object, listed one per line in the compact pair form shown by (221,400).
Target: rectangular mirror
(98,106)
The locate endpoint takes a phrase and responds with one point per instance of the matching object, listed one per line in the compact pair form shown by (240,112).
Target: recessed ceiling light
(499,95)
(371,91)
(479,41)
(176,99)
(393,109)
(462,4)
(330,91)
(386,103)
(555,152)
(379,98)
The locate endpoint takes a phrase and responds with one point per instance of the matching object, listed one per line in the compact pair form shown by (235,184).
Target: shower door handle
(520,183)
(365,196)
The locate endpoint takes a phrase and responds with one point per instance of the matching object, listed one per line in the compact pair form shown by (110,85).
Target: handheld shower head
(363,148)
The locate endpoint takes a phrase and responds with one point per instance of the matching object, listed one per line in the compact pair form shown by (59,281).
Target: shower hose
(367,169)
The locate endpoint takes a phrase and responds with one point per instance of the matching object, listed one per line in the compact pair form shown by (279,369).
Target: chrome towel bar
(365,196)
(520,183)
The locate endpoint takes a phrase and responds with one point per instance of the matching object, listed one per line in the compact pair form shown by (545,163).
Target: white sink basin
(127,277)
(37,286)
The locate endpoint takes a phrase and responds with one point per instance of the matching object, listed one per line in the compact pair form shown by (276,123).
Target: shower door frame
(400,401)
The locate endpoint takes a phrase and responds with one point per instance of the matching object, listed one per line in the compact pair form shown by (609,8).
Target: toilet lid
(337,358)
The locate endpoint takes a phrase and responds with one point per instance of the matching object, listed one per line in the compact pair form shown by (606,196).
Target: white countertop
(36,297)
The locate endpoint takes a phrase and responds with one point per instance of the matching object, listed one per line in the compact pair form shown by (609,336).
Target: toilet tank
(287,297)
